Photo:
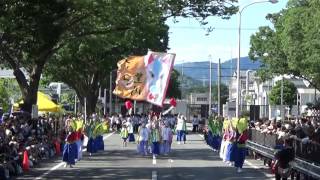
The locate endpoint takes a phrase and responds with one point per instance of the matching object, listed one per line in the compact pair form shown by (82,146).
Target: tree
(174,85)
(289,93)
(84,64)
(4,98)
(293,43)
(41,28)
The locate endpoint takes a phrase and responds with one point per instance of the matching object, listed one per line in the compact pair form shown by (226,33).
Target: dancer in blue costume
(240,150)
(91,148)
(98,133)
(155,139)
(70,148)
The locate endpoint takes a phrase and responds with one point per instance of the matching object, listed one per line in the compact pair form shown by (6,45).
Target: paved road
(193,160)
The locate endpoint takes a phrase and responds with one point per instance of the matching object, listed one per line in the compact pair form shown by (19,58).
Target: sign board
(34,113)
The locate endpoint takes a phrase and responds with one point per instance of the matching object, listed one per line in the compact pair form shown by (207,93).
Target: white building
(254,92)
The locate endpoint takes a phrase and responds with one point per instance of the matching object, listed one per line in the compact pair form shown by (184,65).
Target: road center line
(154,175)
(154,160)
(62,163)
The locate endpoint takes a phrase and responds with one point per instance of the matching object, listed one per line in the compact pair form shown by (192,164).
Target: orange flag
(131,78)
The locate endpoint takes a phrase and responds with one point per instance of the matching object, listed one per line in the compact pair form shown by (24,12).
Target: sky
(191,44)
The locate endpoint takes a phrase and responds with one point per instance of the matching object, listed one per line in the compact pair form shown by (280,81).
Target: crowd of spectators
(305,128)
(302,133)
(20,134)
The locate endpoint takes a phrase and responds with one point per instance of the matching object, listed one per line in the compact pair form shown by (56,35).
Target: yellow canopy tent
(44,104)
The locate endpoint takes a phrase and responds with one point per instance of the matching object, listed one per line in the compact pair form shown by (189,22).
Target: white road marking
(154,175)
(250,164)
(62,163)
(170,162)
(154,160)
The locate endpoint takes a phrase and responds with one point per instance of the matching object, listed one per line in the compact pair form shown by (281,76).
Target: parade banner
(131,78)
(144,77)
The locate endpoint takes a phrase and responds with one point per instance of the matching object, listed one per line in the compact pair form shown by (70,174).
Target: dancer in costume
(224,143)
(124,135)
(130,130)
(181,129)
(143,137)
(155,139)
(77,125)
(91,148)
(70,148)
(240,149)
(231,144)
(166,135)
(98,133)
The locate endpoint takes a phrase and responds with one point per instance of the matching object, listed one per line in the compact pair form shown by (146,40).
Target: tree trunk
(29,91)
(91,95)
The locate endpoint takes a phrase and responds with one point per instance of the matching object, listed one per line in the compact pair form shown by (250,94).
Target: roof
(307,91)
(8,73)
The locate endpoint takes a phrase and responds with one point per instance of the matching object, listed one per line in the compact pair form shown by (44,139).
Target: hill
(198,72)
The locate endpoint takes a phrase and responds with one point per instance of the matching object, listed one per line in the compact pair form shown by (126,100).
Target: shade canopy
(44,103)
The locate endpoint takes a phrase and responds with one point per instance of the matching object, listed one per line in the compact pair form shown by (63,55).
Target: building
(255,92)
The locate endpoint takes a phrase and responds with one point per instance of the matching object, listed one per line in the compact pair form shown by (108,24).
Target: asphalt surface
(193,160)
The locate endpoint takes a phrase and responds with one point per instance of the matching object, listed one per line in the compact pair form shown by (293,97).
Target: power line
(213,28)
(217,68)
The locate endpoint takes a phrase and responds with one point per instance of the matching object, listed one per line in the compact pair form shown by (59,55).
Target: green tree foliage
(293,45)
(4,99)
(174,85)
(289,93)
(31,32)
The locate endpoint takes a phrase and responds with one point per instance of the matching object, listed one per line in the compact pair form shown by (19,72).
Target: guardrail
(307,155)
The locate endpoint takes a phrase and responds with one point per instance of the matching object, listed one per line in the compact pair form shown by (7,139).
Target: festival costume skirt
(181,135)
(91,147)
(223,149)
(142,147)
(240,155)
(165,147)
(131,137)
(231,151)
(79,149)
(70,153)
(156,148)
(99,143)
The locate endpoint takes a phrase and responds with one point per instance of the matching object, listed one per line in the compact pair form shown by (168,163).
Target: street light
(239,52)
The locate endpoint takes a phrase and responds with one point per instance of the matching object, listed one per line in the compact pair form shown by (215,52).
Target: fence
(268,140)
(309,151)
(307,159)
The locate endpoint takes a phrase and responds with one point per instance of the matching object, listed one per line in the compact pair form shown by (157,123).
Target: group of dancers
(229,138)
(76,131)
(155,135)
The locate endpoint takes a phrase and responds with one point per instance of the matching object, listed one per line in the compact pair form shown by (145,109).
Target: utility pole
(210,76)
(282,110)
(85,110)
(105,101)
(182,86)
(110,93)
(219,90)
(75,105)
